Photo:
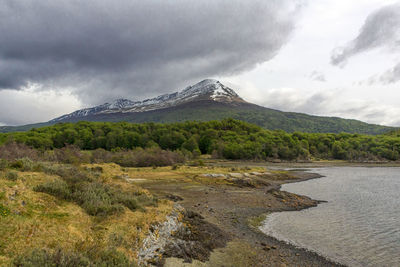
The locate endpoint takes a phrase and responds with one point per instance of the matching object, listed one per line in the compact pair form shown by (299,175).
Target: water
(360,224)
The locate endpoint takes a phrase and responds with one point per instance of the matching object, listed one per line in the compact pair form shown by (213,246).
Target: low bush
(69,174)
(71,154)
(56,188)
(96,198)
(25,165)
(3,164)
(16,164)
(139,157)
(12,151)
(175,167)
(12,176)
(62,258)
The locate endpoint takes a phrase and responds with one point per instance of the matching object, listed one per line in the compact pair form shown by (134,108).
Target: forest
(227,139)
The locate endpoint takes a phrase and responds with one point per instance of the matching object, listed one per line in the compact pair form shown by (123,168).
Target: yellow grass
(38,220)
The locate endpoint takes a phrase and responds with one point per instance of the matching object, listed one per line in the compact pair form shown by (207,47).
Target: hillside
(205,101)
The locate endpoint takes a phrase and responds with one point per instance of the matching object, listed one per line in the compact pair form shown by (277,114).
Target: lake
(358,226)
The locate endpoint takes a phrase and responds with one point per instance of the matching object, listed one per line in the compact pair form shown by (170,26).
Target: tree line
(228,138)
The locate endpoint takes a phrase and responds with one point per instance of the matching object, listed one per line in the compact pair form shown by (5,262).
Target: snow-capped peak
(121,103)
(210,86)
(208,89)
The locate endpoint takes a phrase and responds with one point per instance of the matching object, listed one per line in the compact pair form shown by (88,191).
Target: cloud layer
(381,29)
(102,49)
(327,102)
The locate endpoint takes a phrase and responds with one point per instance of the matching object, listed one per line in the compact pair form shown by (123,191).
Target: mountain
(209,100)
(211,90)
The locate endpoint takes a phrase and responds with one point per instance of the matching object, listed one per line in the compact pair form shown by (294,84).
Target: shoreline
(230,209)
(304,165)
(287,242)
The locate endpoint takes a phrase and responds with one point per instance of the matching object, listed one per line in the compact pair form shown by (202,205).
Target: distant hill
(209,100)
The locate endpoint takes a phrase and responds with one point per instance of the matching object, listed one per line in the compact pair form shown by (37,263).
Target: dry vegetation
(40,222)
(83,214)
(68,207)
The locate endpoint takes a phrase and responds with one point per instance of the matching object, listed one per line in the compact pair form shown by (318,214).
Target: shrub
(97,199)
(26,164)
(51,259)
(112,257)
(12,176)
(3,164)
(61,258)
(12,151)
(56,188)
(71,154)
(199,163)
(139,157)
(175,167)
(70,174)
(16,164)
(127,200)
(100,156)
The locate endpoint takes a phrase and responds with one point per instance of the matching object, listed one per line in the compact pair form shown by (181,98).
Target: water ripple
(358,226)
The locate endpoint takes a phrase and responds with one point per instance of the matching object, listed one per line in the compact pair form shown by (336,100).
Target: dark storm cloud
(105,49)
(381,29)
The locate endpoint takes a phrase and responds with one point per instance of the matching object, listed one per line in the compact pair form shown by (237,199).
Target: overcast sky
(323,57)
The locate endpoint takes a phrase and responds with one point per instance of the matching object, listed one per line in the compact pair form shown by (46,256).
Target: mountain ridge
(204,101)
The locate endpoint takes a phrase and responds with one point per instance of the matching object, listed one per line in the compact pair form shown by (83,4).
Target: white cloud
(31,106)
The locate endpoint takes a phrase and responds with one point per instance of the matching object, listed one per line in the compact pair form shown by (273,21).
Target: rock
(174,197)
(236,175)
(273,247)
(213,175)
(159,236)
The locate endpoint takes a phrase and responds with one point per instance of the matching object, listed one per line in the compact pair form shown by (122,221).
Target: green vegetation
(257,221)
(210,110)
(150,144)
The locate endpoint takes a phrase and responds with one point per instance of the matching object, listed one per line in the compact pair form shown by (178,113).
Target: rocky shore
(218,222)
